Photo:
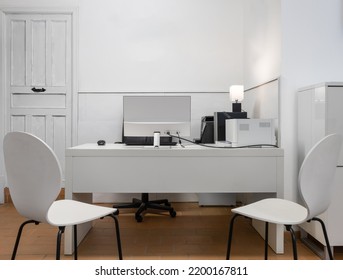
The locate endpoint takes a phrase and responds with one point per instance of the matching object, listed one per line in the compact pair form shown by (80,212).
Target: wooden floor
(197,233)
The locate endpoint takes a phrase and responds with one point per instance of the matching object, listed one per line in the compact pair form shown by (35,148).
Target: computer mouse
(101,143)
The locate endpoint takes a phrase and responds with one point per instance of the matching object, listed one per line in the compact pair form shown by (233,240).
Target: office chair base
(144,204)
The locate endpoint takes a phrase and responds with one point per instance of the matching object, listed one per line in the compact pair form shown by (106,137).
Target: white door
(39,77)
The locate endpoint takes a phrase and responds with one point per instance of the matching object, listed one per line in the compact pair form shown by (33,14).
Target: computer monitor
(145,114)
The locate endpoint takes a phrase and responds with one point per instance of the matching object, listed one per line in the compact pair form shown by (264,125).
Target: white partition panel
(262,102)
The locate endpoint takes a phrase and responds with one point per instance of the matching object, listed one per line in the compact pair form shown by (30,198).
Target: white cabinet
(320,113)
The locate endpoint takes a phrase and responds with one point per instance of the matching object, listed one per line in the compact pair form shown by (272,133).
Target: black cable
(178,135)
(220,147)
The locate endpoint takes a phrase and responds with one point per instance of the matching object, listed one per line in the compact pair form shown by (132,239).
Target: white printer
(242,132)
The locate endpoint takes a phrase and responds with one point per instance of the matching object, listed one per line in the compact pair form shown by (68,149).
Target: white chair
(34,181)
(315,184)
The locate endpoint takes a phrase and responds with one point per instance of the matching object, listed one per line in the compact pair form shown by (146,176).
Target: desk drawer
(177,174)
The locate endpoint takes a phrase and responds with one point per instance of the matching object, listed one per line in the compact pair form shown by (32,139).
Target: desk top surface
(92,149)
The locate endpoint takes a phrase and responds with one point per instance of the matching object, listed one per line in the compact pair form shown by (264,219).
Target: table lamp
(237,95)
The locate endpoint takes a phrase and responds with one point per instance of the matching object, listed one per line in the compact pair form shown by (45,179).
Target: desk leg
(276,232)
(82,229)
(275,236)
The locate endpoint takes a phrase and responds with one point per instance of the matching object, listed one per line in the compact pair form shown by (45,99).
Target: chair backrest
(33,174)
(317,173)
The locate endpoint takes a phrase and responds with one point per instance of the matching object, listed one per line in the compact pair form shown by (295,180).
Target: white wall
(262,41)
(312,44)
(159,45)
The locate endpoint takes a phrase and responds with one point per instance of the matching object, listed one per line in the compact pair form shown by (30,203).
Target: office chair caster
(172,213)
(138,218)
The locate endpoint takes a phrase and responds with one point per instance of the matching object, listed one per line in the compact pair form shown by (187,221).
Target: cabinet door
(39,77)
(334,114)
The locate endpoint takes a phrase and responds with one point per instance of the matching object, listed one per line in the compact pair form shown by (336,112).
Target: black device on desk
(147,141)
(207,130)
(219,122)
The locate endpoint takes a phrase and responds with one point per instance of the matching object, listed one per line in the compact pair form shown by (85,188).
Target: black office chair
(144,203)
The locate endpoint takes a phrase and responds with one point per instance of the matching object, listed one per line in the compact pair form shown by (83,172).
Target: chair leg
(75,241)
(58,244)
(266,235)
(228,252)
(118,235)
(325,236)
(294,241)
(14,253)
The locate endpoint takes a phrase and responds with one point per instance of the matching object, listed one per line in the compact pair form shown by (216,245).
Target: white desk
(117,168)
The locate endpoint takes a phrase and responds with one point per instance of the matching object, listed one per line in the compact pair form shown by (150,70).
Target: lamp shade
(237,93)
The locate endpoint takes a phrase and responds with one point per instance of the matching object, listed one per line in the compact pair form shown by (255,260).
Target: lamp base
(236,107)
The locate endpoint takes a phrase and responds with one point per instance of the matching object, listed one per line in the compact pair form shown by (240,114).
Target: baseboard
(2,191)
(318,248)
(7,195)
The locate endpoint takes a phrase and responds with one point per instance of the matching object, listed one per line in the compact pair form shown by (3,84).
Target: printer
(243,132)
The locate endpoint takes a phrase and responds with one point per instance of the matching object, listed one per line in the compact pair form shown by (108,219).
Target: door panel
(58,52)
(18,123)
(18,52)
(38,50)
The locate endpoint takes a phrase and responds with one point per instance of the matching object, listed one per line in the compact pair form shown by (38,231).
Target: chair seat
(274,210)
(70,212)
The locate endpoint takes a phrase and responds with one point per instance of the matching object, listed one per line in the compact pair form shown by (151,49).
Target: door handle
(38,89)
